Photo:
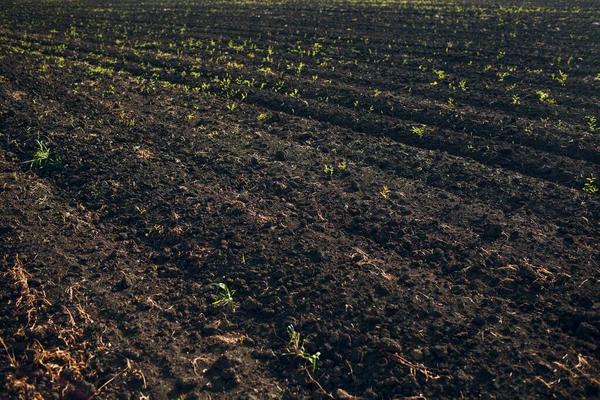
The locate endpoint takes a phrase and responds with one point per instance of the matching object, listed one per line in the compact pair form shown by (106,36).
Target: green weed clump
(225,296)
(43,158)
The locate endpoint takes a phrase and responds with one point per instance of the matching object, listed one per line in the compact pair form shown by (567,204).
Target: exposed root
(415,367)
(22,389)
(123,371)
(313,380)
(28,297)
(63,366)
(579,370)
(547,384)
(11,356)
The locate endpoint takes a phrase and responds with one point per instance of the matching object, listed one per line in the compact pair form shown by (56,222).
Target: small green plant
(516,99)
(328,169)
(385,193)
(296,348)
(418,130)
(545,97)
(440,74)
(342,165)
(225,296)
(592,123)
(43,158)
(463,85)
(560,77)
(590,185)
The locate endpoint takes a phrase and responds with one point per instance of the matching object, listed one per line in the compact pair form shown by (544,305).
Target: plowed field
(299,200)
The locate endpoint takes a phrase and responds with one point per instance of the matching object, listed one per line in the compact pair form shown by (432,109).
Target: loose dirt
(400,198)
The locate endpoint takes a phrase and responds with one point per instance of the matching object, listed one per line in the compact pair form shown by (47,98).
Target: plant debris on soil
(299,200)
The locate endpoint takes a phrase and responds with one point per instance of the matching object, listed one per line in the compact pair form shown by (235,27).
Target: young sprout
(592,121)
(545,97)
(589,186)
(385,193)
(418,130)
(328,169)
(296,348)
(440,74)
(560,77)
(225,296)
(42,158)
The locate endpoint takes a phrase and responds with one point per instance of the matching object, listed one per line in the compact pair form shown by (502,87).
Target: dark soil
(410,186)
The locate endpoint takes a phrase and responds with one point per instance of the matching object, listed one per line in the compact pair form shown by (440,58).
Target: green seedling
(545,97)
(592,123)
(502,75)
(560,77)
(441,74)
(42,158)
(418,130)
(328,169)
(385,193)
(296,348)
(590,185)
(225,296)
